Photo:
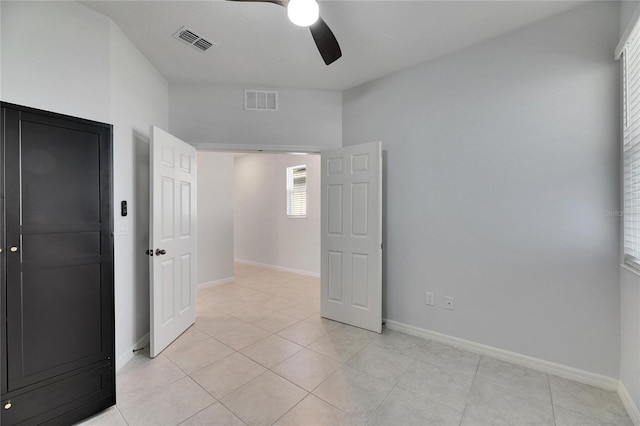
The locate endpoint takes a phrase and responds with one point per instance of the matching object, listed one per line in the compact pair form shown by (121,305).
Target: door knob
(7,405)
(160,252)
(13,249)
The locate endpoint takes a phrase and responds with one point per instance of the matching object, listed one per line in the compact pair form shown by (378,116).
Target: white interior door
(351,242)
(172,234)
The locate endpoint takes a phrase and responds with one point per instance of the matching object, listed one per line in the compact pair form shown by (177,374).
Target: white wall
(46,65)
(139,99)
(215,217)
(207,114)
(501,161)
(263,233)
(103,77)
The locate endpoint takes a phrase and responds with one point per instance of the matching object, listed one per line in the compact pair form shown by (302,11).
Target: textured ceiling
(256,44)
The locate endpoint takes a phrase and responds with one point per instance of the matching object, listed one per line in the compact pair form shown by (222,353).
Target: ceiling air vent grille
(260,100)
(190,37)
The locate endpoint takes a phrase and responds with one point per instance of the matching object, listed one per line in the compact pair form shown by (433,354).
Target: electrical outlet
(448,302)
(429,298)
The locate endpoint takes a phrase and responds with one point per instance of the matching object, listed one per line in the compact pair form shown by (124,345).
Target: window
(629,51)
(297,191)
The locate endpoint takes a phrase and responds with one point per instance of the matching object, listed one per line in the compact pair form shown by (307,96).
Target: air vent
(187,35)
(260,100)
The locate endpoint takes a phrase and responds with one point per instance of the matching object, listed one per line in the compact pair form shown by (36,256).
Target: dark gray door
(58,252)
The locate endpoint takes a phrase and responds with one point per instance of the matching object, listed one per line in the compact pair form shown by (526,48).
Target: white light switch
(123,227)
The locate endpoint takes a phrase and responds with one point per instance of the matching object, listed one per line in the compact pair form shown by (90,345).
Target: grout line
(553,409)
(475,376)
(121,415)
(215,401)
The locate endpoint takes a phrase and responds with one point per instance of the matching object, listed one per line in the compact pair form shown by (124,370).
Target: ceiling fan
(305,13)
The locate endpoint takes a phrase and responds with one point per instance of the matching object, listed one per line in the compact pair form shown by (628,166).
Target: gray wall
(627,9)
(215,217)
(501,161)
(263,232)
(207,114)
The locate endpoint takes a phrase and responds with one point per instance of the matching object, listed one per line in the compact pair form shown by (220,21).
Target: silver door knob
(7,405)
(13,249)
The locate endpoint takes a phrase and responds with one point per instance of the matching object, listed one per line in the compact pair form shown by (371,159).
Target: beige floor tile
(353,392)
(240,293)
(382,363)
(271,351)
(328,325)
(443,385)
(491,405)
(212,298)
(514,378)
(243,336)
(109,417)
(187,339)
(402,407)
(307,368)
(199,355)
(227,375)
(257,299)
(302,310)
(166,405)
(143,373)
(218,325)
(253,313)
(264,400)
(278,303)
(566,417)
(403,343)
(312,411)
(232,306)
(355,333)
(589,400)
(275,322)
(447,356)
(303,333)
(338,346)
(214,415)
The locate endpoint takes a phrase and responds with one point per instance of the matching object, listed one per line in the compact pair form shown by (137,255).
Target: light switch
(123,227)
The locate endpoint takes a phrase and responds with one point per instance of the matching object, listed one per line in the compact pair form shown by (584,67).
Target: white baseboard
(279,268)
(629,404)
(124,358)
(217,282)
(582,376)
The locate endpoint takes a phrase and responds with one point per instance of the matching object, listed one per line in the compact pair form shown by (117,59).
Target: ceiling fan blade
(282,3)
(326,41)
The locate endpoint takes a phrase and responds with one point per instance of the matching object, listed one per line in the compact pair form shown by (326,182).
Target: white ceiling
(257,46)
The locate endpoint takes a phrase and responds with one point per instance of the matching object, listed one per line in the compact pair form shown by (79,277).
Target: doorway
(242,215)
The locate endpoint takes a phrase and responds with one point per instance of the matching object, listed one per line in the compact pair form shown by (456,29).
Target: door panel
(351,274)
(58,255)
(58,219)
(173,222)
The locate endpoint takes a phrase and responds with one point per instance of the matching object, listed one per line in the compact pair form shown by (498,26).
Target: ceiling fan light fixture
(303,12)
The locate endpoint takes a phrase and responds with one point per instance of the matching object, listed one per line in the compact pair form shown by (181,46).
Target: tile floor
(259,354)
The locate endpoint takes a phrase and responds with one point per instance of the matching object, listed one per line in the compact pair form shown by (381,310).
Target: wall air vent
(190,37)
(260,100)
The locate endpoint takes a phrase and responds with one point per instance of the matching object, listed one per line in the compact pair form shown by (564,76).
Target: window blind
(631,147)
(297,191)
